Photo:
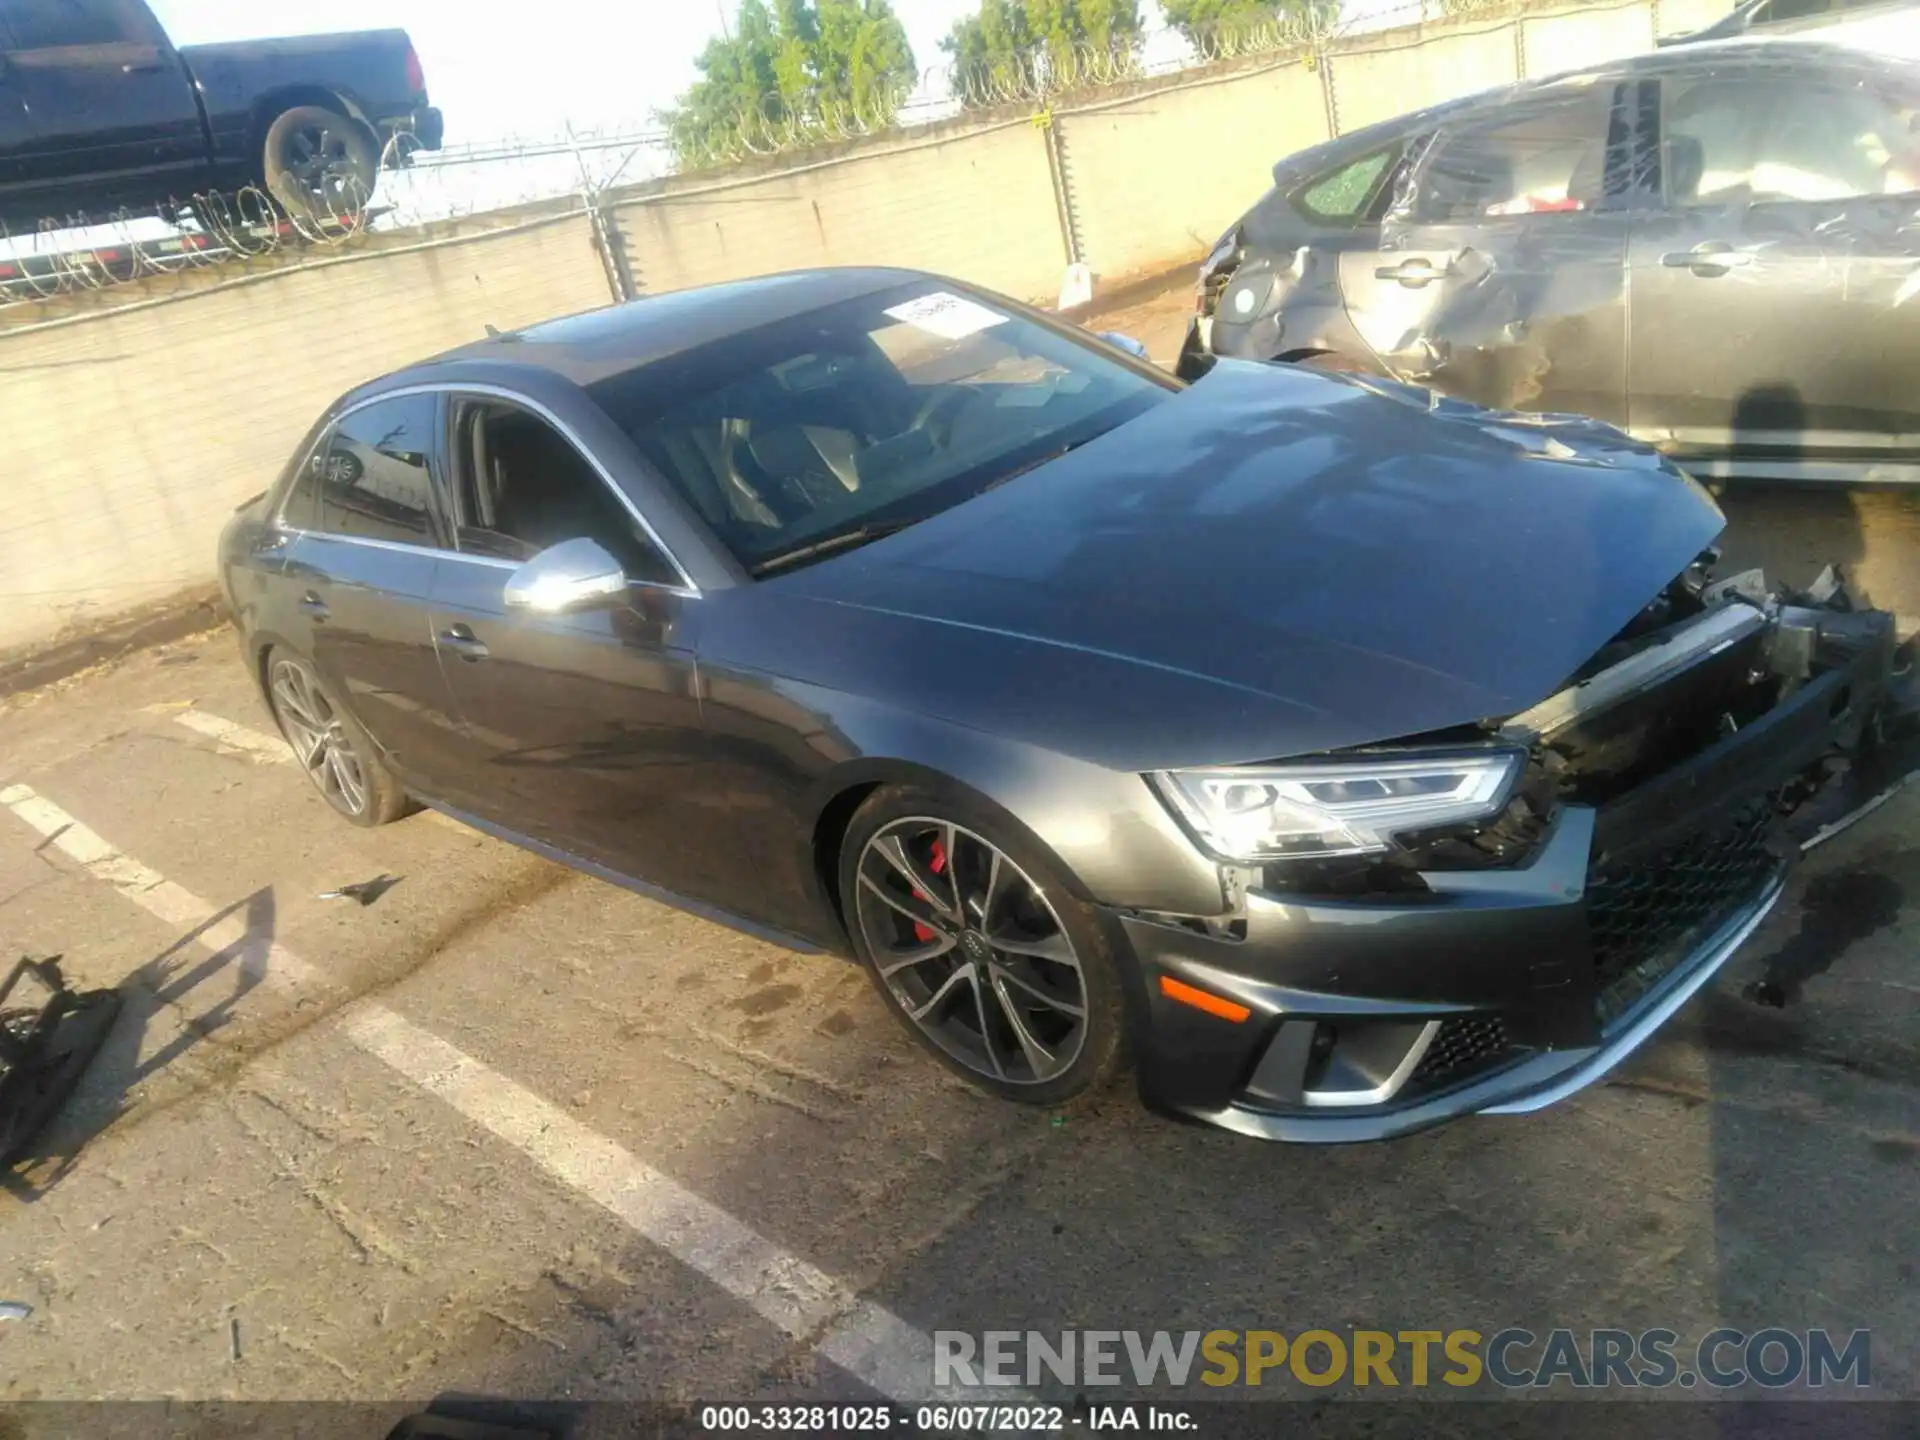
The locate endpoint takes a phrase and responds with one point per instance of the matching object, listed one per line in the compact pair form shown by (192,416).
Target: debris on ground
(44,1050)
(15,1310)
(365,891)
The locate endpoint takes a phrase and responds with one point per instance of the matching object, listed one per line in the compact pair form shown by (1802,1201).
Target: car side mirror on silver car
(573,575)
(1124,342)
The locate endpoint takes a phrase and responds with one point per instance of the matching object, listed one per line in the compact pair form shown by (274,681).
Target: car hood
(1292,562)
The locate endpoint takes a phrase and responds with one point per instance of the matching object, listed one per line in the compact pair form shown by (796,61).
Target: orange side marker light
(1200,1000)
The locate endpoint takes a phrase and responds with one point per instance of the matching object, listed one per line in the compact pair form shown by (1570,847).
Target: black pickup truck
(100,112)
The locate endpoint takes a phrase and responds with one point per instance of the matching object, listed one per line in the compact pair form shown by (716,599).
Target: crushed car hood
(1371,561)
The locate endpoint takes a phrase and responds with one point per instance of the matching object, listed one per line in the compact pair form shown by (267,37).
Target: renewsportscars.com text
(1511,1359)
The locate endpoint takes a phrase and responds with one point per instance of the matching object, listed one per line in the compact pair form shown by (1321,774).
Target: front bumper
(1502,990)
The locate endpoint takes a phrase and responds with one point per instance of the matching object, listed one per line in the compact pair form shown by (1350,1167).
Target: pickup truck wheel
(319,164)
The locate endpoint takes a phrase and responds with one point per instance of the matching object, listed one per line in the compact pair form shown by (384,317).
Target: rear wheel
(338,757)
(320,165)
(979,948)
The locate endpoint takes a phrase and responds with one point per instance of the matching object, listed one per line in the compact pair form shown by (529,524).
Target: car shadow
(1792,531)
(178,979)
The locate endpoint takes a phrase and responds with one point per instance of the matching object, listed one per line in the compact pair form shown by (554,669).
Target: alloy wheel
(320,160)
(972,951)
(319,742)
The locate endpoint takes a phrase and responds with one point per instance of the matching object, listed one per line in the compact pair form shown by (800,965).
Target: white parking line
(258,745)
(870,1343)
(158,896)
(255,744)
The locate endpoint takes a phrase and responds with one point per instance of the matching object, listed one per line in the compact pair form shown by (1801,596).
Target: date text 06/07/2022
(943,1419)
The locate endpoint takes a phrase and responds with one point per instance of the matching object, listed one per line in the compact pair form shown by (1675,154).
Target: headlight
(1224,255)
(1275,812)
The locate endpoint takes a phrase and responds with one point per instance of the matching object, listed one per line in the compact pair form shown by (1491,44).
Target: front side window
(55,24)
(373,473)
(1548,158)
(1761,138)
(830,427)
(523,486)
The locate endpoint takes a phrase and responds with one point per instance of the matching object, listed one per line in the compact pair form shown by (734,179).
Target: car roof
(596,344)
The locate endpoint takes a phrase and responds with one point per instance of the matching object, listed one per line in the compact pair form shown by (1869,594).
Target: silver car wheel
(972,951)
(322,747)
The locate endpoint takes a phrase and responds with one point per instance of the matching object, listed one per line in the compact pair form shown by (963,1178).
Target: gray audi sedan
(1336,758)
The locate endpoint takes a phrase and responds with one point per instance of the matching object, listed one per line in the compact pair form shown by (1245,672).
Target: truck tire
(319,164)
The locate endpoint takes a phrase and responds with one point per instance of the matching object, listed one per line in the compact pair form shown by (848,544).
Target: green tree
(1009,47)
(1207,22)
(786,69)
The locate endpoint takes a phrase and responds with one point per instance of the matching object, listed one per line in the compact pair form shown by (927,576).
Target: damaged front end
(1667,789)
(1725,727)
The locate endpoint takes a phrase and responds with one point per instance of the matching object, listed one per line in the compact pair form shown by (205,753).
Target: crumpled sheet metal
(1515,246)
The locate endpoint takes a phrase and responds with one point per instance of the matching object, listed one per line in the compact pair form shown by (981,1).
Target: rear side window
(52,24)
(372,477)
(298,482)
(1348,195)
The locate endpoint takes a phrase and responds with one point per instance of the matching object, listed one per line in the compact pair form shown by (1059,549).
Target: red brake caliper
(924,933)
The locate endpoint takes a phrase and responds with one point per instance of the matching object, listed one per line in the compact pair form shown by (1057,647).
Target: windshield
(842,424)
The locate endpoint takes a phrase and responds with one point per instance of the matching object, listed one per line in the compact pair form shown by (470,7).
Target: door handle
(144,67)
(1711,259)
(463,642)
(1413,273)
(314,606)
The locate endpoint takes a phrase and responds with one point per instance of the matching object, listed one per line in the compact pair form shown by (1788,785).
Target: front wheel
(980,949)
(339,757)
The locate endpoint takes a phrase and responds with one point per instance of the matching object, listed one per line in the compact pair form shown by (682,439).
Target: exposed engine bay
(1814,684)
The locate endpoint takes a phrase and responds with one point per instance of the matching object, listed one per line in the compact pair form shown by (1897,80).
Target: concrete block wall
(974,202)
(1553,43)
(1160,176)
(1380,81)
(127,437)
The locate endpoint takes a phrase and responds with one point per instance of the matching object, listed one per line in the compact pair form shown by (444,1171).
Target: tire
(1022,1002)
(319,164)
(347,769)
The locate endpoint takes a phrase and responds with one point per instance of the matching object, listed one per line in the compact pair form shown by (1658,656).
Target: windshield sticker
(949,316)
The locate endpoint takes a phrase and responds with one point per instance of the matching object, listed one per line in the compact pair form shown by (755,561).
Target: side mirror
(1124,342)
(573,575)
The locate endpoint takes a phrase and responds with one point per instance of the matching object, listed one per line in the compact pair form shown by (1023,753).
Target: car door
(1773,296)
(1499,272)
(105,98)
(582,730)
(16,134)
(367,541)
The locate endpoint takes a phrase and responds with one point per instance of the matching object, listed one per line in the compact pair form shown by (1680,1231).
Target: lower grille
(1465,1042)
(1644,918)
